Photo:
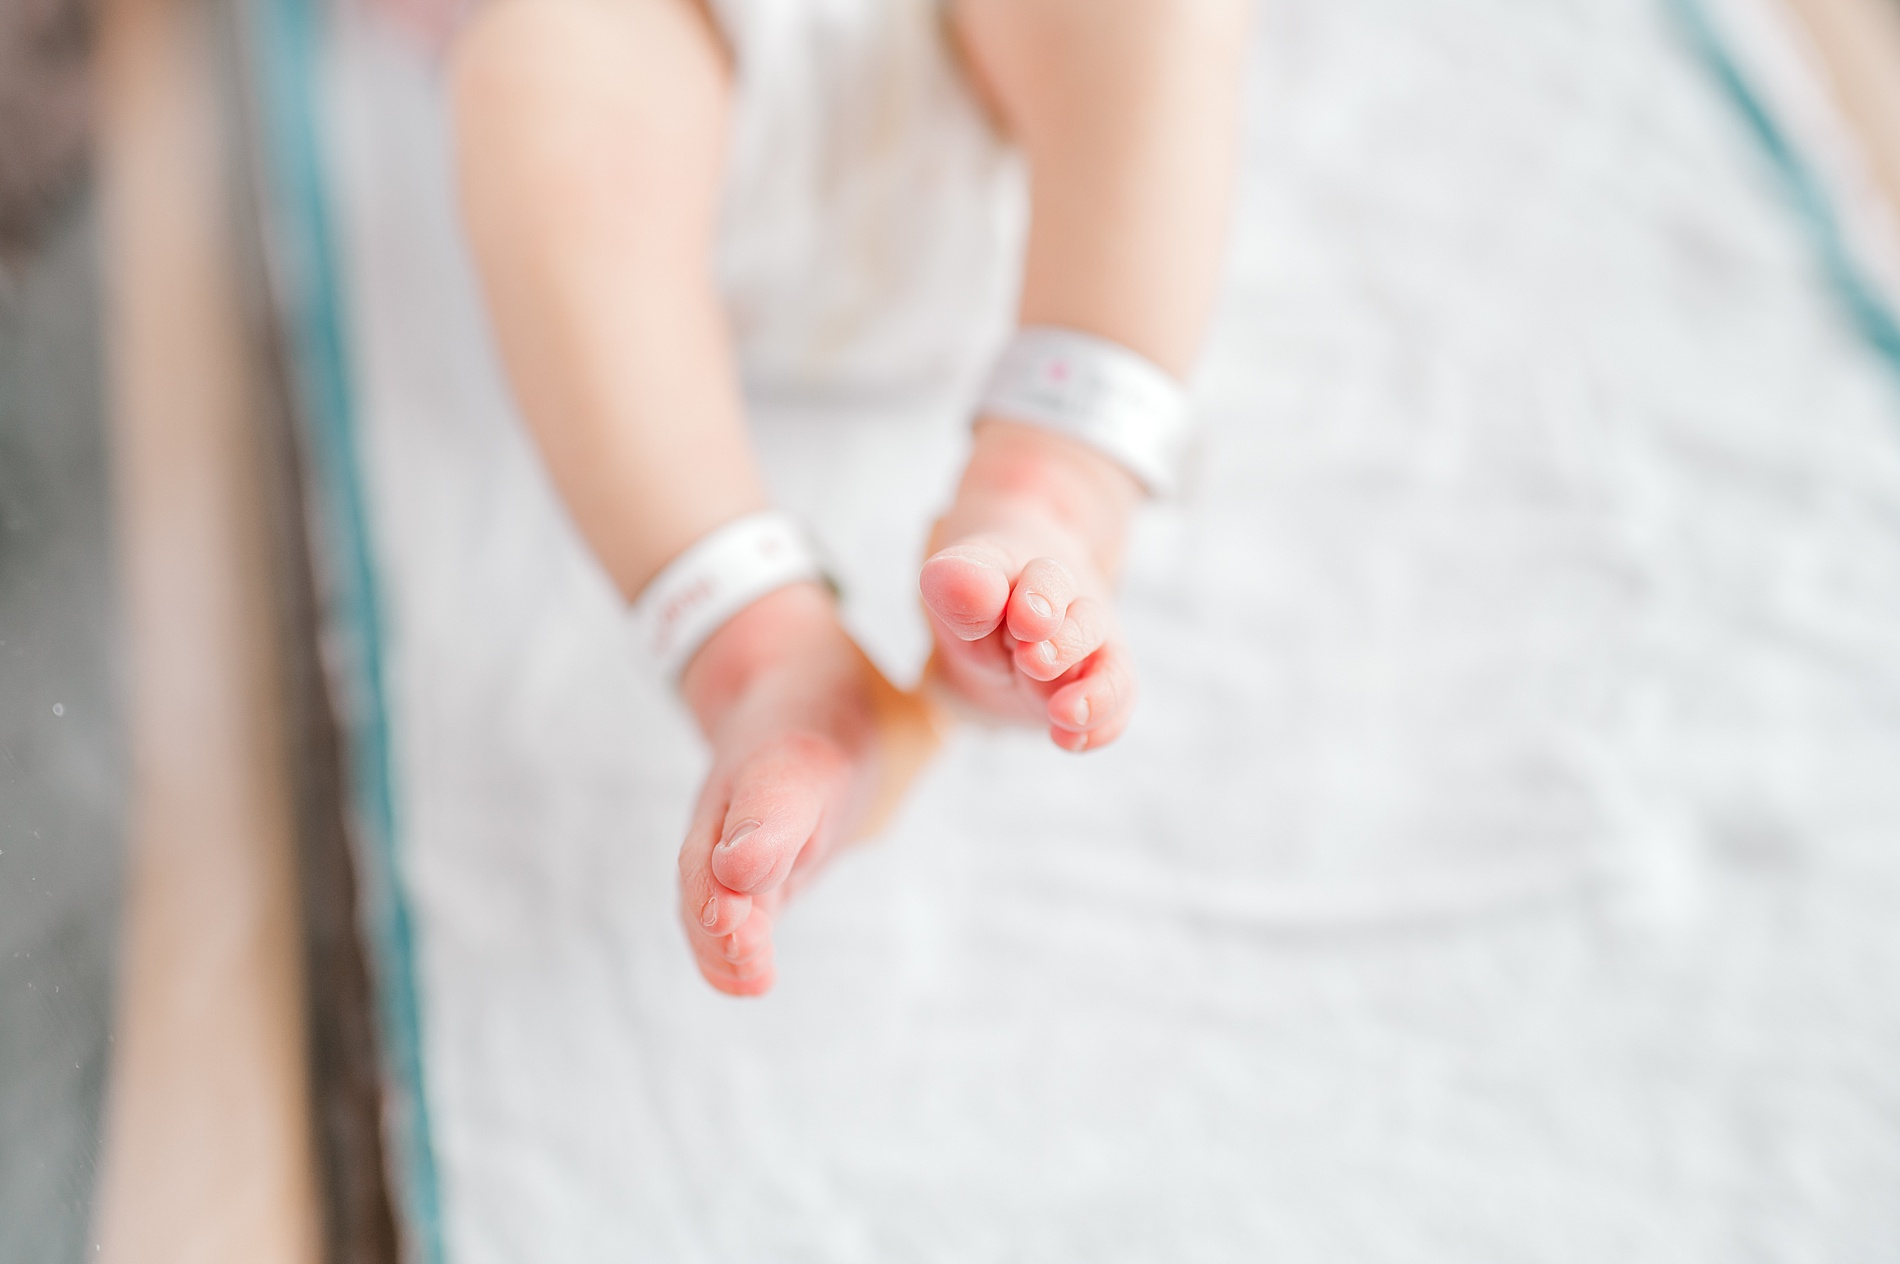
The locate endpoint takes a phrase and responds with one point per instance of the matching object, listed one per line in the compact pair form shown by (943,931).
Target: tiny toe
(745,946)
(1040,599)
(966,586)
(719,912)
(1038,660)
(753,981)
(1098,701)
(777,801)
(1083,632)
(1094,739)
(1069,740)
(739,963)
(750,984)
(707,905)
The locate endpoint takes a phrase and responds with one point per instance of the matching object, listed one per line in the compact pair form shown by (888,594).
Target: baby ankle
(785,624)
(1015,468)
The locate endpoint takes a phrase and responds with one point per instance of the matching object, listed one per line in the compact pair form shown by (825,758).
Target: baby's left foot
(812,749)
(1018,586)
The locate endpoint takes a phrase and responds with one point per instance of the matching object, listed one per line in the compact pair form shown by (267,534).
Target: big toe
(967,587)
(778,800)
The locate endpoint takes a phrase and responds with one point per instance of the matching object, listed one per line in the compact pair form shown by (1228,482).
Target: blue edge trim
(1863,300)
(286,37)
(284,41)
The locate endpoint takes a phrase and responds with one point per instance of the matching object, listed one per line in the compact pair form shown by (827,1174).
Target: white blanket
(1504,862)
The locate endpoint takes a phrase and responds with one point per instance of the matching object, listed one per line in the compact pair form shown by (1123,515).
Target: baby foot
(1017,586)
(812,749)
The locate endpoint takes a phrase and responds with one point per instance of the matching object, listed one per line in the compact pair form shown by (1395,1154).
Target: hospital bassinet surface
(1502,868)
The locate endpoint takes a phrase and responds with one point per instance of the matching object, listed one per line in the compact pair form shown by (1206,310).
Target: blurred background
(247,910)
(168,757)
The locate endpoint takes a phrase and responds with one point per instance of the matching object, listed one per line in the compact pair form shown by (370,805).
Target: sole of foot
(813,749)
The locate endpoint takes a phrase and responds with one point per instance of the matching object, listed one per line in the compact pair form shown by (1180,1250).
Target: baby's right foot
(1018,586)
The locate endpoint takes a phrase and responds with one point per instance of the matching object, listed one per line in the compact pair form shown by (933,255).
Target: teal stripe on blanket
(1864,302)
(284,42)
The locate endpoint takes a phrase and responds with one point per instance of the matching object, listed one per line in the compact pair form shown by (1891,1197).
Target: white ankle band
(722,574)
(1096,391)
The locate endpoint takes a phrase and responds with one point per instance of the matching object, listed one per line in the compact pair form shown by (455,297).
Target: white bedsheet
(1503,865)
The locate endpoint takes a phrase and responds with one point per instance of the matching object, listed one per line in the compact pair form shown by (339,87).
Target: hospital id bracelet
(1099,392)
(722,574)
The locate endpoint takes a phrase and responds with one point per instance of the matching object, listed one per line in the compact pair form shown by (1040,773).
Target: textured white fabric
(870,212)
(1502,865)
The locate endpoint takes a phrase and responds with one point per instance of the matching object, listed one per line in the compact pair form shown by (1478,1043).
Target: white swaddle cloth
(1500,865)
(870,213)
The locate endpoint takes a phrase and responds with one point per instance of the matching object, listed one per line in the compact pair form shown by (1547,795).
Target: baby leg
(591,139)
(1128,113)
(591,142)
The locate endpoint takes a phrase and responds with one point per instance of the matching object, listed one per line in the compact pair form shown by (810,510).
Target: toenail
(710,913)
(1081,711)
(738,834)
(1039,604)
(1045,652)
(733,949)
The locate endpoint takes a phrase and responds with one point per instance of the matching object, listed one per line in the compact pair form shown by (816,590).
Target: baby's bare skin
(592,140)
(810,748)
(1019,586)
